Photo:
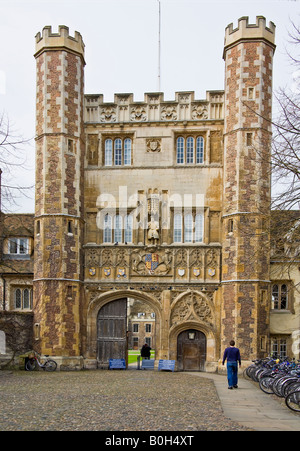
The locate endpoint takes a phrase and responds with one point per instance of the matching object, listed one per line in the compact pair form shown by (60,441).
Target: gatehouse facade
(161,202)
(143,199)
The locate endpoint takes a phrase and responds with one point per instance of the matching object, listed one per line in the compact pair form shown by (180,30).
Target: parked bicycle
(292,400)
(279,377)
(259,368)
(283,378)
(35,362)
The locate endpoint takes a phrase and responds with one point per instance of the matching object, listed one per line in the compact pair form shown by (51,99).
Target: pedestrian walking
(232,355)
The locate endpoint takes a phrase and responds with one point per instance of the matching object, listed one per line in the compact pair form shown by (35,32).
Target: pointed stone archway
(193,311)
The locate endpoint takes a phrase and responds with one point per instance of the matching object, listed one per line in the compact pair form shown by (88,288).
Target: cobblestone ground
(110,401)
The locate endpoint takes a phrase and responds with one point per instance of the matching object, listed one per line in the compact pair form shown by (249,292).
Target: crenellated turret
(59,191)
(248,55)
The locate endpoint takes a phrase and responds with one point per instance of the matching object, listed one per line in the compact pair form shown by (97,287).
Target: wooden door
(112,328)
(191,350)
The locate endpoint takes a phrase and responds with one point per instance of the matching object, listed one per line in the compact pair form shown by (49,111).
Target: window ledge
(276,311)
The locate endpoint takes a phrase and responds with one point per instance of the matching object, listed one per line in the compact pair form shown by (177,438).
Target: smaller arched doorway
(191,350)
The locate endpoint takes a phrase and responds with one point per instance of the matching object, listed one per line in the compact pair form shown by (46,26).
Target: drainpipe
(1,243)
(3,292)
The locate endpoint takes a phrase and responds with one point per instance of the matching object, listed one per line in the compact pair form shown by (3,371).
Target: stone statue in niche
(153,217)
(153,228)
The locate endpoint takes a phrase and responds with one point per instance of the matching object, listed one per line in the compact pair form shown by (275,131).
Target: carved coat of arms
(151,262)
(211,272)
(121,272)
(107,272)
(196,272)
(92,271)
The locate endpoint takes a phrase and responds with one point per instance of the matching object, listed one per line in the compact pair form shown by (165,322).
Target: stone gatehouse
(165,202)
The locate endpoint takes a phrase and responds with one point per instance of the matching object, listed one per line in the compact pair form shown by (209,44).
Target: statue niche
(153,217)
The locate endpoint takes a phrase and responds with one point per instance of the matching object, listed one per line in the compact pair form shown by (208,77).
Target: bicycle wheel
(265,384)
(287,384)
(246,374)
(293,401)
(294,386)
(30,365)
(277,386)
(257,373)
(50,365)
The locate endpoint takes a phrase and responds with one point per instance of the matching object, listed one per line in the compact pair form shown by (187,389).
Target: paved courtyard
(110,401)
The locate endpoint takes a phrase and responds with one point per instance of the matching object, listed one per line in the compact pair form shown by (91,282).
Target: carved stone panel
(192,307)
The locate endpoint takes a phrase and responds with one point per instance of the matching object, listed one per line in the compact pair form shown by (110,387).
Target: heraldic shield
(151,261)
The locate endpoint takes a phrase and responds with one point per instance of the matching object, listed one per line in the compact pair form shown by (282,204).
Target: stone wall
(16,337)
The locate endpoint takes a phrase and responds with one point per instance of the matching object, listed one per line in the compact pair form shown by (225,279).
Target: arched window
(199,228)
(2,342)
(177,228)
(108,152)
(280,296)
(180,150)
(200,150)
(26,299)
(22,298)
(284,297)
(190,150)
(127,152)
(118,229)
(187,152)
(118,152)
(188,228)
(107,232)
(18,298)
(128,229)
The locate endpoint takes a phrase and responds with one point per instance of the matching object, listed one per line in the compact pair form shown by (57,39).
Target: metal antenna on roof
(159,43)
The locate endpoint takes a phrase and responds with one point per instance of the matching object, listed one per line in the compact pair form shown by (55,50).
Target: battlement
(154,108)
(246,31)
(62,39)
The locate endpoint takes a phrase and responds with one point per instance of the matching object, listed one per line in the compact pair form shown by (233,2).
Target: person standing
(232,355)
(146,351)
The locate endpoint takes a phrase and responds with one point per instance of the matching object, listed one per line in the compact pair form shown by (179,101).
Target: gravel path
(110,401)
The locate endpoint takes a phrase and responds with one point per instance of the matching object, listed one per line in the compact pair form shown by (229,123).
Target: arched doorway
(123,325)
(191,350)
(111,331)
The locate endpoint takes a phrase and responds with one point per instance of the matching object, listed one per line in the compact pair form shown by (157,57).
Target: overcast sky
(121,50)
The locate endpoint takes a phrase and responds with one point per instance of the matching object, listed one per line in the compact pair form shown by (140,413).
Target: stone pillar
(165,325)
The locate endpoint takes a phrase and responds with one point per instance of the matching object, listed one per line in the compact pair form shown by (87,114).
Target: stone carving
(192,307)
(108,114)
(148,262)
(153,228)
(169,113)
(92,258)
(181,257)
(92,149)
(200,112)
(138,113)
(153,145)
(196,263)
(153,217)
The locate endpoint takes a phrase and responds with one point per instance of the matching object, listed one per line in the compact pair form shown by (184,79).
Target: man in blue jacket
(232,354)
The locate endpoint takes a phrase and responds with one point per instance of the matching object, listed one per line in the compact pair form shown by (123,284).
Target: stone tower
(248,55)
(59,193)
